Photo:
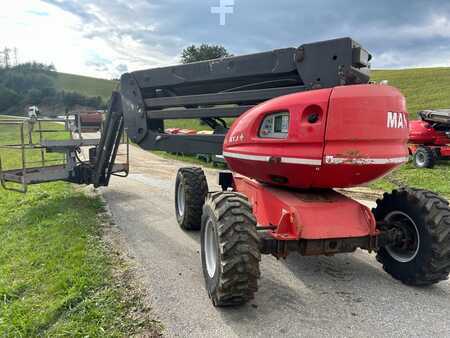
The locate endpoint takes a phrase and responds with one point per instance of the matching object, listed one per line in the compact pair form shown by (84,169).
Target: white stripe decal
(289,160)
(247,157)
(305,161)
(361,161)
(328,159)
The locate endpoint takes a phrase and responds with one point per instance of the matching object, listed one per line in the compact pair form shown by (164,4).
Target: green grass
(424,88)
(436,179)
(86,85)
(57,277)
(10,135)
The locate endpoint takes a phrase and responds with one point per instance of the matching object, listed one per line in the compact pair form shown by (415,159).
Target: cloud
(122,68)
(150,33)
(38,13)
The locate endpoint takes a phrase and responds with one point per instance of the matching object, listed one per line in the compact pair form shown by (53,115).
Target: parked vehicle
(429,138)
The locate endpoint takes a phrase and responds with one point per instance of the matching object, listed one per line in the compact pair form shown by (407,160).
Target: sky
(105,38)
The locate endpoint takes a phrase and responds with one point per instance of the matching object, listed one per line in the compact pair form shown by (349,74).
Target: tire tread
(437,218)
(196,189)
(239,248)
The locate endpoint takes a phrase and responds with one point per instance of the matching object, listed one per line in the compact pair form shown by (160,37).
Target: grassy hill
(424,88)
(88,86)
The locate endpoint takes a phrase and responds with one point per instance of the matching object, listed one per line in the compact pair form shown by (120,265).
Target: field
(86,85)
(436,179)
(56,273)
(424,88)
(10,134)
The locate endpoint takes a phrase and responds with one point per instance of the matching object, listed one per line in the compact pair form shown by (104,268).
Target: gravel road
(346,295)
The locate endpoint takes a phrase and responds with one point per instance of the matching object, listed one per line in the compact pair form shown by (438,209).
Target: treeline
(35,84)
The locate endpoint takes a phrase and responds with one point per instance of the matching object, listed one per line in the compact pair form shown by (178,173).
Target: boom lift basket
(46,150)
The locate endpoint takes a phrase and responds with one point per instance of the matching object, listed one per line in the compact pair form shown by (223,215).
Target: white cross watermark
(225,7)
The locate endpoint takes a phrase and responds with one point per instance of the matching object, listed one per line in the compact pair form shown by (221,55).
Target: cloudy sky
(105,38)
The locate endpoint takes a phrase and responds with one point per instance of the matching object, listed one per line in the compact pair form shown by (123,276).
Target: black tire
(424,157)
(437,154)
(424,260)
(191,189)
(231,266)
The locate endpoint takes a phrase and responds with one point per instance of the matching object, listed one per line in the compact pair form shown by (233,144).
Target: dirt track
(346,295)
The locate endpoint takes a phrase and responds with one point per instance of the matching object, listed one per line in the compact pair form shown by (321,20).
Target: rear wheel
(421,220)
(424,157)
(229,249)
(437,154)
(191,188)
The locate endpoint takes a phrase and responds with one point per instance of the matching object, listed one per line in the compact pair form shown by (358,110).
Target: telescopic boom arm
(226,88)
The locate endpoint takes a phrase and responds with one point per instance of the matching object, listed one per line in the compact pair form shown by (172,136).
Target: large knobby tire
(437,154)
(424,157)
(229,249)
(423,256)
(191,189)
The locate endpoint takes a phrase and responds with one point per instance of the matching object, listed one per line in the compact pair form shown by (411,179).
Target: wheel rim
(408,249)
(180,199)
(211,249)
(420,159)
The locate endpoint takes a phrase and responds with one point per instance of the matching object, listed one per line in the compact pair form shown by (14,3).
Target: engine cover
(327,138)
(422,132)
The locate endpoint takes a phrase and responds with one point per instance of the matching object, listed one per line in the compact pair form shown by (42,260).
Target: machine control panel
(275,126)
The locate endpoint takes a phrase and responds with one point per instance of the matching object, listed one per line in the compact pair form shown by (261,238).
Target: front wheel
(424,157)
(229,249)
(420,254)
(191,188)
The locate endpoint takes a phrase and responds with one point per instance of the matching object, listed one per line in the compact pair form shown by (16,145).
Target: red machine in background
(89,121)
(429,138)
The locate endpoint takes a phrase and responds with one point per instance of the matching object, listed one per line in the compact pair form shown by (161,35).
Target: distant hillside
(32,83)
(424,88)
(85,85)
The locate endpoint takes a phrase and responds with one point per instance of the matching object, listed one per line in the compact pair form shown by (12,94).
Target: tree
(203,52)
(6,57)
(8,98)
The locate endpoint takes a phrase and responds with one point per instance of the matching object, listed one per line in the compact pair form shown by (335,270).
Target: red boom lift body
(346,144)
(336,138)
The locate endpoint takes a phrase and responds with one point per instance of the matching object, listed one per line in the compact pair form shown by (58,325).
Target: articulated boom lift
(307,121)
(429,138)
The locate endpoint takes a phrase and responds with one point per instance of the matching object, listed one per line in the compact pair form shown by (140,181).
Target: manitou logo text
(236,138)
(397,120)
